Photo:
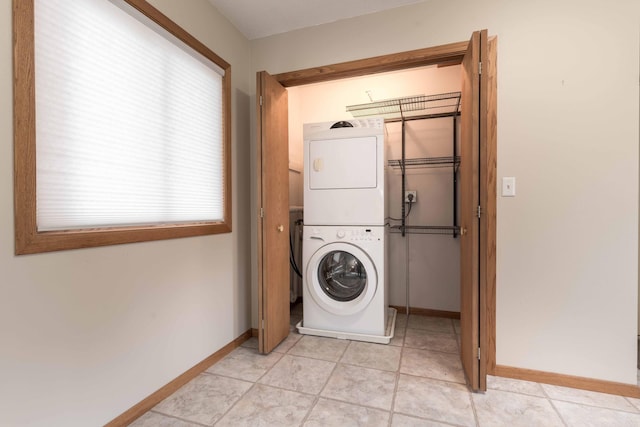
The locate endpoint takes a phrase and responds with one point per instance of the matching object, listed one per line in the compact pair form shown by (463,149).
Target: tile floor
(417,380)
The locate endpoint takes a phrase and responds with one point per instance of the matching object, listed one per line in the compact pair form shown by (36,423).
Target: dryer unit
(344,288)
(344,176)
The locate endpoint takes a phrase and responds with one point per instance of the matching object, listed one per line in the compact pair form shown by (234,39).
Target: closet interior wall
(434,260)
(432,269)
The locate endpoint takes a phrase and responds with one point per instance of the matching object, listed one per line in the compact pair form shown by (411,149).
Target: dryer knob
(340,234)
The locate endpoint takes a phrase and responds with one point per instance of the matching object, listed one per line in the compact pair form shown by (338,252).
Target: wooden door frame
(448,54)
(443,55)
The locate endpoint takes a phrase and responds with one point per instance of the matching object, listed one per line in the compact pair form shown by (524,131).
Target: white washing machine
(344,173)
(344,277)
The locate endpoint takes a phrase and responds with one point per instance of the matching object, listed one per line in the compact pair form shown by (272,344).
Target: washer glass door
(342,276)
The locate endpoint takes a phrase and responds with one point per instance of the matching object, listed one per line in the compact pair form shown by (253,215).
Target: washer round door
(341,278)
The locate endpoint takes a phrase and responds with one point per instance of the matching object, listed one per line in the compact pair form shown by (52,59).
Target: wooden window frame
(28,239)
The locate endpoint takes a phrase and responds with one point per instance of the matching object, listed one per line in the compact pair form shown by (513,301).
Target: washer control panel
(357,234)
(344,234)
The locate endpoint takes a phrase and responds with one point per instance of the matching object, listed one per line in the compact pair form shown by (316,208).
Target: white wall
(567,255)
(85,334)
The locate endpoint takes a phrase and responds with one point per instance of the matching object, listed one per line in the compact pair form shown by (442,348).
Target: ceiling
(261,18)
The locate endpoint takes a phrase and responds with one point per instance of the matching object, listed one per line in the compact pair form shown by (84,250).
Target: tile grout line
(587,405)
(395,386)
(552,403)
(318,395)
(473,407)
(636,411)
(186,420)
(253,385)
(628,399)
(470,393)
(234,404)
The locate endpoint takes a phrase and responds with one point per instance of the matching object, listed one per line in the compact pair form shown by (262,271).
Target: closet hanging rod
(433,162)
(426,229)
(422,117)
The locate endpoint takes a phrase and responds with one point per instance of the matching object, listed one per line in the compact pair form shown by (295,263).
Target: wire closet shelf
(410,107)
(419,107)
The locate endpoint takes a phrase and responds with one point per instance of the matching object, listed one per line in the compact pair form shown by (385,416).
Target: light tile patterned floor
(417,380)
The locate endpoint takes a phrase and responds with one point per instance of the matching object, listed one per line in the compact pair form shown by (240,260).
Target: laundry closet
(424,248)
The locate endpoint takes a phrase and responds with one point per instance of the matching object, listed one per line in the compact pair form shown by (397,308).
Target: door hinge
(261,100)
(263,328)
(479,69)
(261,212)
(479,211)
(478,353)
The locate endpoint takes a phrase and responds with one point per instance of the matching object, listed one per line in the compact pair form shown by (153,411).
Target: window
(122,127)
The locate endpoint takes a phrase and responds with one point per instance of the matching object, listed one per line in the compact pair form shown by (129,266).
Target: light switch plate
(508,186)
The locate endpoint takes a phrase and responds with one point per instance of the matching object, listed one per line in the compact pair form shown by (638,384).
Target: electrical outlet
(413,198)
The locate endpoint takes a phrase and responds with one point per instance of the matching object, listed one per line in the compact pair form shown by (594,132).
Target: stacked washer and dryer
(344,250)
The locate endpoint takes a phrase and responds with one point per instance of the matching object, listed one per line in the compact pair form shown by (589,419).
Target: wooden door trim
(260,260)
(591,384)
(443,55)
(488,199)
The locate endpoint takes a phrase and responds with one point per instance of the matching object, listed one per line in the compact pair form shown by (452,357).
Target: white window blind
(129,121)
